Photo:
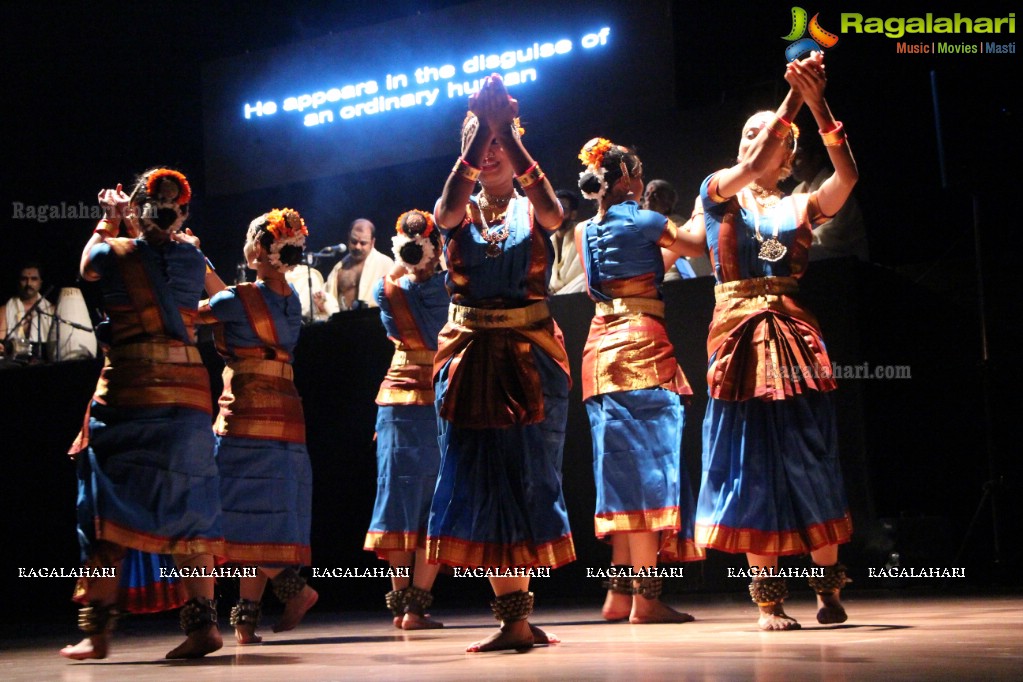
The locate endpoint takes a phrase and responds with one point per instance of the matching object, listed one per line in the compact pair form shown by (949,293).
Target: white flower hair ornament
(421,239)
(288,229)
(592,156)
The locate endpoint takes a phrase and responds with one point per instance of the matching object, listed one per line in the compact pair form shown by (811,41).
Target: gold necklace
(768,198)
(494,238)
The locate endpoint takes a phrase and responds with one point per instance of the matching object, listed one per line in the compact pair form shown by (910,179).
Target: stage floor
(889,636)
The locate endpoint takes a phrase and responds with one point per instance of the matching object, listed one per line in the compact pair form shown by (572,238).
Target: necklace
(771,250)
(768,198)
(495,238)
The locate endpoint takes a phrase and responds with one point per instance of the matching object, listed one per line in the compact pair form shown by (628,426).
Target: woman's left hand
(186,237)
(807,77)
(494,105)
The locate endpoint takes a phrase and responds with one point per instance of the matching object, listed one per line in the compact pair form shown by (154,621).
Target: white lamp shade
(67,342)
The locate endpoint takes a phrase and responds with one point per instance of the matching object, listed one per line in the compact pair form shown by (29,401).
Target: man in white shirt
(351,281)
(21,322)
(567,276)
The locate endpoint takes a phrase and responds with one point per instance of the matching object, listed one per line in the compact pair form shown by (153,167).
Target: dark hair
(612,165)
(163,217)
(414,223)
(290,254)
(570,197)
(31,265)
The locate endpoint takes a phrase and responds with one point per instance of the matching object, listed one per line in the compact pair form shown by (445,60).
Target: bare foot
(95,646)
(655,611)
(773,617)
(516,635)
(246,634)
(830,610)
(296,608)
(412,621)
(617,606)
(397,620)
(198,644)
(541,638)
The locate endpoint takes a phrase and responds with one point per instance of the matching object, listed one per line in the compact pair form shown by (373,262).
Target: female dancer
(772,484)
(265,477)
(501,372)
(632,384)
(147,479)
(413,308)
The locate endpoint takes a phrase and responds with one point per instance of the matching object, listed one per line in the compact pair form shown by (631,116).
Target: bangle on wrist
(834,137)
(531,176)
(106,228)
(466,170)
(779,127)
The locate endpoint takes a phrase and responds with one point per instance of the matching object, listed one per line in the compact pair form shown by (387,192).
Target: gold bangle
(779,127)
(834,137)
(466,170)
(102,228)
(531,176)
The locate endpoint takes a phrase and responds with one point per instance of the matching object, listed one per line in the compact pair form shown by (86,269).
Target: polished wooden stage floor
(889,636)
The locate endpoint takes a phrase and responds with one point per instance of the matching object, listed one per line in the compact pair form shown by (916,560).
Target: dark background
(95,94)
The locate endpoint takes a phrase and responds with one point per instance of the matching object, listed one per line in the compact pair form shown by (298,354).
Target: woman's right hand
(494,107)
(807,77)
(114,203)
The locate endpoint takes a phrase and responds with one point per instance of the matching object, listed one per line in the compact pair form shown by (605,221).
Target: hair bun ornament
(592,154)
(287,228)
(420,239)
(160,174)
(517,124)
(399,226)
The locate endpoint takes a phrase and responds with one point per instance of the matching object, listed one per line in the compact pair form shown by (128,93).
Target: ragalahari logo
(801,44)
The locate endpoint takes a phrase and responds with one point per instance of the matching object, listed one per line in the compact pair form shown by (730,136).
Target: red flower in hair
(161,174)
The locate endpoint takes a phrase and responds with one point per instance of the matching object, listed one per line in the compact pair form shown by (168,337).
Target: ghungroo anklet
(619,584)
(513,606)
(417,600)
(834,579)
(287,584)
(198,613)
(97,618)
(768,590)
(396,601)
(246,612)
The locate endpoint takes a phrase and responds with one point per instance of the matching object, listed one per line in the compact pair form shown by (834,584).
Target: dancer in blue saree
(632,385)
(501,372)
(772,484)
(413,308)
(147,479)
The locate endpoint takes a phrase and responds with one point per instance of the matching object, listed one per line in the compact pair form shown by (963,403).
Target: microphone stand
(58,320)
(310,260)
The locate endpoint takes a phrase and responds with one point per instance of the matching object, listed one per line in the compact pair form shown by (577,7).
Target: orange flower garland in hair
(592,153)
(285,223)
(518,126)
(161,174)
(400,225)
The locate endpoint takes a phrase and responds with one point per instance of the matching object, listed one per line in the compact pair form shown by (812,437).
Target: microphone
(338,249)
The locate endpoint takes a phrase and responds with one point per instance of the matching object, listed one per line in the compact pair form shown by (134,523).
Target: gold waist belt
(496,318)
(624,306)
(412,357)
(154,351)
(758,286)
(270,368)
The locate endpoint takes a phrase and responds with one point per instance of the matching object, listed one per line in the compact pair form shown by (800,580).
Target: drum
(71,336)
